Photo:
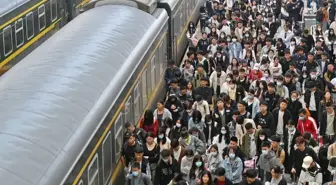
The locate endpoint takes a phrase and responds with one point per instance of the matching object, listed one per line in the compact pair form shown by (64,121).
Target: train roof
(7,5)
(48,99)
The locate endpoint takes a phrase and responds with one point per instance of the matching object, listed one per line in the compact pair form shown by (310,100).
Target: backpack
(319,16)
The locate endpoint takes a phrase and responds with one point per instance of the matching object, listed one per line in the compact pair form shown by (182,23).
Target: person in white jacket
(311,172)
(275,67)
(217,79)
(252,102)
(286,35)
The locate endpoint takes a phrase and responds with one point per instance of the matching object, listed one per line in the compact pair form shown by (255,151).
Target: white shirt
(177,153)
(290,138)
(312,103)
(330,124)
(253,146)
(280,123)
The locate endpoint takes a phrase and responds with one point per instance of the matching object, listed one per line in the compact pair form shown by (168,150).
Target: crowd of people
(254,102)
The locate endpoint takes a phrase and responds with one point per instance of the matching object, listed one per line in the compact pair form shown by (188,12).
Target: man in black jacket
(300,153)
(166,169)
(317,94)
(290,135)
(265,120)
(328,122)
(281,117)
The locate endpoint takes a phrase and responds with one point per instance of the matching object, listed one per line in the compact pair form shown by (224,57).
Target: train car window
(128,112)
(161,56)
(7,40)
(137,102)
(30,25)
(93,171)
(19,32)
(118,136)
(42,17)
(107,157)
(144,89)
(81,182)
(53,7)
(153,71)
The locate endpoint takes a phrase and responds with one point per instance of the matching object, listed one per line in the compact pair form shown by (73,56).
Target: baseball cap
(307,162)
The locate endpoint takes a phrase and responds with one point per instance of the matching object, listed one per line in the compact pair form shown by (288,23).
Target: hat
(307,162)
(256,66)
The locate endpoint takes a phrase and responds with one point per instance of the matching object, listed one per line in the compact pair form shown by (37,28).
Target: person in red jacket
(307,124)
(149,123)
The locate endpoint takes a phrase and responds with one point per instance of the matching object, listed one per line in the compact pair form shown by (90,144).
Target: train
(26,24)
(66,103)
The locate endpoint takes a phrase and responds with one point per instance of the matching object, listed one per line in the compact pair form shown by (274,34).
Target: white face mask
(279,83)
(234,40)
(262,138)
(293,43)
(304,76)
(313,76)
(266,75)
(222,36)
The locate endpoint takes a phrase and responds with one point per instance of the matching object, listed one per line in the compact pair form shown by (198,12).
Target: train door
(70,9)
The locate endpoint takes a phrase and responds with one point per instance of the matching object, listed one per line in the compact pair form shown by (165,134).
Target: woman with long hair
(196,170)
(326,98)
(149,123)
(206,178)
(261,89)
(214,159)
(161,113)
(151,152)
(162,139)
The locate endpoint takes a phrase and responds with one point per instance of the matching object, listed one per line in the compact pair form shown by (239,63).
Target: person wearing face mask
(222,139)
(311,172)
(202,106)
(312,98)
(214,159)
(167,169)
(262,137)
(307,124)
(314,79)
(162,140)
(234,167)
(189,141)
(281,89)
(289,138)
(197,169)
(267,161)
(252,103)
(235,48)
(294,105)
(136,177)
(186,163)
(142,160)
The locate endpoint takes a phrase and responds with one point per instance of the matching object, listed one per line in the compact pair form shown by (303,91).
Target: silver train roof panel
(8,5)
(48,95)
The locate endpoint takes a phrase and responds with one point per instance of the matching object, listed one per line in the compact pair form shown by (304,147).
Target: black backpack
(319,16)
